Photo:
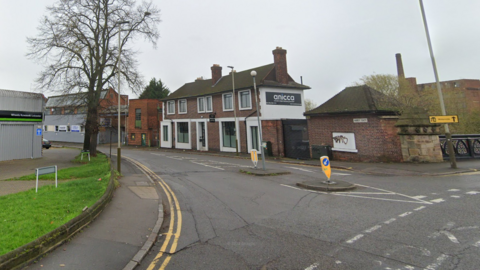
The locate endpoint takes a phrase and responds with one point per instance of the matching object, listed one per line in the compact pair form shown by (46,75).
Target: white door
(166,134)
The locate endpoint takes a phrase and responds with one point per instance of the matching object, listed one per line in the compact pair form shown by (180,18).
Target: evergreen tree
(155,90)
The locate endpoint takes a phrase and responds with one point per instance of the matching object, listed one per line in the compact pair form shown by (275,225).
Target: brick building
(208,115)
(144,116)
(66,116)
(359,124)
(465,92)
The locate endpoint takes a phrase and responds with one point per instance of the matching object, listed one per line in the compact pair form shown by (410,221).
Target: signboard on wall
(277,98)
(343,141)
(62,128)
(19,116)
(75,128)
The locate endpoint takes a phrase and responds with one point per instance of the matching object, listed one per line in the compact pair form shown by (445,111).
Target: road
(219,218)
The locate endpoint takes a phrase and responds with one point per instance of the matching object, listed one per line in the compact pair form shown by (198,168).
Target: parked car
(46,144)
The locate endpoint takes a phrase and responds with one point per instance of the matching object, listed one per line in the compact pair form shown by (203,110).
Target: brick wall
(272,130)
(376,141)
(150,120)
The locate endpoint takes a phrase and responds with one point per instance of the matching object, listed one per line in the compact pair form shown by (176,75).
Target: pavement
(124,235)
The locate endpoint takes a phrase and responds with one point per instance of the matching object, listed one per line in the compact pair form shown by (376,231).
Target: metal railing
(465,146)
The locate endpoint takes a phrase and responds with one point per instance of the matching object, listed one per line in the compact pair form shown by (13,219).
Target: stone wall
(421,148)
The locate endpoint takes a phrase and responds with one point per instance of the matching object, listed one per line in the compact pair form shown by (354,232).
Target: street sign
(46,170)
(39,132)
(326,166)
(254,156)
(443,119)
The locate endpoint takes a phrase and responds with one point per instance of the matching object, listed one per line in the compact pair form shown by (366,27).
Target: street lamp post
(254,73)
(119,149)
(451,153)
(234,108)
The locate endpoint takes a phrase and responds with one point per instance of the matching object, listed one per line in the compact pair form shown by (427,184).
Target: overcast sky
(331,43)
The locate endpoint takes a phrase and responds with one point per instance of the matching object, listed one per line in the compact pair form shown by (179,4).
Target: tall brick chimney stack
(216,73)
(400,72)
(280,61)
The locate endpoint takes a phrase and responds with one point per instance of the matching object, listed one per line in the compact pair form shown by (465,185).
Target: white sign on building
(345,142)
(75,128)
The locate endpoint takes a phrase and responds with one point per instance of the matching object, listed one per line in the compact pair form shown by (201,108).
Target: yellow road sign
(443,119)
(326,166)
(254,156)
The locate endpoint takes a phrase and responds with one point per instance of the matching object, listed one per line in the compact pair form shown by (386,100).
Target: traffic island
(260,172)
(332,186)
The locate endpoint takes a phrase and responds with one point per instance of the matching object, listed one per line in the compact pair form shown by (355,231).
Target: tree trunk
(92,124)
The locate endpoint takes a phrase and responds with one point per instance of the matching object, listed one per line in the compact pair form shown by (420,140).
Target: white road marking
(465,228)
(419,208)
(419,197)
(449,225)
(300,169)
(451,237)
(381,199)
(390,221)
(372,229)
(477,244)
(405,214)
(473,193)
(409,267)
(344,194)
(433,193)
(207,165)
(338,262)
(395,193)
(439,200)
(455,196)
(437,262)
(336,173)
(351,241)
(454,190)
(313,266)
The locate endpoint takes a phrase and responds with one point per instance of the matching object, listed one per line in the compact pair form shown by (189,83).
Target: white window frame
(240,100)
(170,102)
(206,104)
(201,100)
(223,102)
(180,112)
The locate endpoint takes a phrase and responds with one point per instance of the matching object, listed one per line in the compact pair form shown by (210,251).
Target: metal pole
(119,149)
(234,109)
(451,152)
(254,73)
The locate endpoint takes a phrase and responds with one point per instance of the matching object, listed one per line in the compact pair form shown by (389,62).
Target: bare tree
(78,45)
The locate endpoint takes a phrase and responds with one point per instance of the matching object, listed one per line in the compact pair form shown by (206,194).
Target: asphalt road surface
(218,218)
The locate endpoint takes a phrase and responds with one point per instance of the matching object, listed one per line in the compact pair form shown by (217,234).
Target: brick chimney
(216,73)
(400,72)
(280,61)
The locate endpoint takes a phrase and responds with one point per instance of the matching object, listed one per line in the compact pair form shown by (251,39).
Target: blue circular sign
(325,162)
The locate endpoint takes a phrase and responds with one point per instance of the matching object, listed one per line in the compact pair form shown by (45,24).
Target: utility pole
(451,152)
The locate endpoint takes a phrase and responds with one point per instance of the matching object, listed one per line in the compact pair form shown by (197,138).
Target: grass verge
(25,216)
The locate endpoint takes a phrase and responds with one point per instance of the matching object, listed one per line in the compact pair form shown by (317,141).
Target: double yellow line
(175,212)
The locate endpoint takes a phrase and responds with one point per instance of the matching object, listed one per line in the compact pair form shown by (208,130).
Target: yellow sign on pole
(443,119)
(326,166)
(254,156)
